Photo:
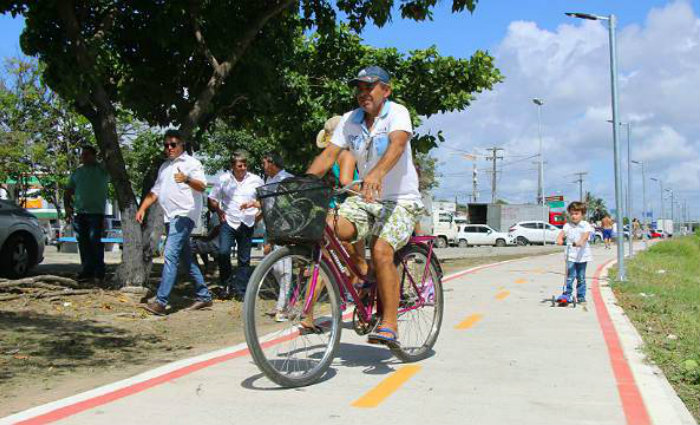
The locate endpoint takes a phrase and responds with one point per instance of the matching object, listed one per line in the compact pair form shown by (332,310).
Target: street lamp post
(661,198)
(673,218)
(539,102)
(628,201)
(644,198)
(616,146)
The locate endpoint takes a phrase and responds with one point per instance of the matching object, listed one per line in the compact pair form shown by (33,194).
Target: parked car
(529,232)
(596,236)
(21,240)
(481,234)
(658,233)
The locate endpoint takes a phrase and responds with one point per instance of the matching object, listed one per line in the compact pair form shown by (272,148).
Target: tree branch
(194,13)
(217,78)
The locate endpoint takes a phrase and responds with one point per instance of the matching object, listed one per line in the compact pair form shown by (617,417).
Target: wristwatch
(187,179)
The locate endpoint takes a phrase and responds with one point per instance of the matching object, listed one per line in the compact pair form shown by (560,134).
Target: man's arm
(68,203)
(149,200)
(372,183)
(324,161)
(194,183)
(215,206)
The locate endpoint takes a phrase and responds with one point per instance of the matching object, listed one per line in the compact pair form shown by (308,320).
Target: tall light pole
(616,145)
(673,218)
(661,197)
(644,198)
(539,102)
(628,201)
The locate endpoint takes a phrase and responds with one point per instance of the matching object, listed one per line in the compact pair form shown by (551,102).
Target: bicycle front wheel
(292,345)
(421,303)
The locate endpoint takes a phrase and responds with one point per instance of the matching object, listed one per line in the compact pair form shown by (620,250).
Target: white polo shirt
(573,234)
(401,182)
(231,193)
(179,199)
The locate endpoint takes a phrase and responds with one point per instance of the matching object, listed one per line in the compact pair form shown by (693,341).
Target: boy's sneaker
(281,317)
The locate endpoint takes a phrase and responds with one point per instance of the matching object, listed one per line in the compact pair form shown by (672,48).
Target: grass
(662,298)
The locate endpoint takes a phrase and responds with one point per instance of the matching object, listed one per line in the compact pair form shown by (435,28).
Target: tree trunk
(136,263)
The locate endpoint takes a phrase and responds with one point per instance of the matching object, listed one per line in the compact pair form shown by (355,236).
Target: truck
(443,222)
(502,216)
(666,225)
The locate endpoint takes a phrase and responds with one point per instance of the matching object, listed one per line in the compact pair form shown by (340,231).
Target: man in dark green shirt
(88,185)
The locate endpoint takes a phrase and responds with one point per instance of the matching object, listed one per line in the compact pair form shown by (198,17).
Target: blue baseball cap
(371,74)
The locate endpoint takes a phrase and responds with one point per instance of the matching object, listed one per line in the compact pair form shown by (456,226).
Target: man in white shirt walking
(178,189)
(233,189)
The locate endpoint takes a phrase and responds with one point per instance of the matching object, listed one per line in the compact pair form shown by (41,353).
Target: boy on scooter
(578,252)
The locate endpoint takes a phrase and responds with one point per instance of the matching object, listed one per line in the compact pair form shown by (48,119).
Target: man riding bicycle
(378,135)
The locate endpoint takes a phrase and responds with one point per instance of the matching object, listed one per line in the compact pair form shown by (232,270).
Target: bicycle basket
(294,210)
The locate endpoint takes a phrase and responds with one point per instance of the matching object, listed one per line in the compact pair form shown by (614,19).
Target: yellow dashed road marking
(469,321)
(521,281)
(387,387)
(502,295)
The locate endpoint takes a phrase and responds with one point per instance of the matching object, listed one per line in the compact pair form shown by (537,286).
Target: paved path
(505,356)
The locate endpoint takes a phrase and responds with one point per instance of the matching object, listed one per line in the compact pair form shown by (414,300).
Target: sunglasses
(365,88)
(171,145)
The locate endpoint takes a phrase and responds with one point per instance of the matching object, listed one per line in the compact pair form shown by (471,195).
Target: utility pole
(494,156)
(673,218)
(661,197)
(645,207)
(579,180)
(475,184)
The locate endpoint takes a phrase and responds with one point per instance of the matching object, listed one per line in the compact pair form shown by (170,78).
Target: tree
(596,207)
(176,62)
(41,135)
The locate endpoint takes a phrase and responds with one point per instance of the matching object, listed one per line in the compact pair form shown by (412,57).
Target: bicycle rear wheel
(287,352)
(421,303)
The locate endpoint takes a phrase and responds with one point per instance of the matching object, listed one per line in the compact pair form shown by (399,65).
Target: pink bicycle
(309,277)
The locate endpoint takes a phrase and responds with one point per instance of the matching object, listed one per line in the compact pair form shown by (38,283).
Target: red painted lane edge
(632,402)
(81,406)
(111,396)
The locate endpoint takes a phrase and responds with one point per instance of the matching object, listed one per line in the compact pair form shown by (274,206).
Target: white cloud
(659,69)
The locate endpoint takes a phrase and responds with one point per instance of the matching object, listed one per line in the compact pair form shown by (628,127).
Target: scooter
(565,300)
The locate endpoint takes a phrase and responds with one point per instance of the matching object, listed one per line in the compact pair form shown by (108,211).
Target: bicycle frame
(337,258)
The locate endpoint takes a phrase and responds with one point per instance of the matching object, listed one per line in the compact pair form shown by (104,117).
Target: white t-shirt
(230,194)
(281,175)
(179,199)
(573,233)
(401,182)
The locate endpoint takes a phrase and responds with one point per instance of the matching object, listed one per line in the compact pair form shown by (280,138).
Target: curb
(663,405)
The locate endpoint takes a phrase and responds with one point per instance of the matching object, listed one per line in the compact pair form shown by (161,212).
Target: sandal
(306,329)
(385,336)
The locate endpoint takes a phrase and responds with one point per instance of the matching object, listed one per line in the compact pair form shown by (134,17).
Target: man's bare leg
(387,282)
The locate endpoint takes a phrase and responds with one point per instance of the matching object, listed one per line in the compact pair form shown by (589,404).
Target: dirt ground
(50,349)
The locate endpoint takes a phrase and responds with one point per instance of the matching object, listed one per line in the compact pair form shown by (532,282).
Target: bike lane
(503,356)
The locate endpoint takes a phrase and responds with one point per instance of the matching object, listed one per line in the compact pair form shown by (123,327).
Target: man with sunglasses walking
(178,190)
(378,134)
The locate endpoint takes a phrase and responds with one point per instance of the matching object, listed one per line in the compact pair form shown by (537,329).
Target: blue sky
(544,53)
